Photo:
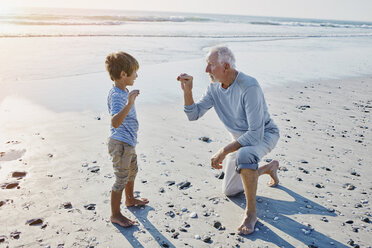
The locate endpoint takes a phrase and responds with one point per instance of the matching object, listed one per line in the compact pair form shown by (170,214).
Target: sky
(358,10)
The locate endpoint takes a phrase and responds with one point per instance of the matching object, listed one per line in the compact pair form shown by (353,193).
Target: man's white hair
(225,55)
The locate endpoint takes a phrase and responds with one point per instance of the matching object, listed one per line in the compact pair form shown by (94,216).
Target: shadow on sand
(281,209)
(141,215)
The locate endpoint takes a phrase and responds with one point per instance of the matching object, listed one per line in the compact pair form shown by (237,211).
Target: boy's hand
(186,82)
(132,96)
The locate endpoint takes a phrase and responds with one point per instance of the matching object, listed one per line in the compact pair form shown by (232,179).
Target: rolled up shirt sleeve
(197,110)
(254,109)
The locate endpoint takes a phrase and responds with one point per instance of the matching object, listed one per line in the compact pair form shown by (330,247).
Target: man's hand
(217,159)
(186,82)
(132,96)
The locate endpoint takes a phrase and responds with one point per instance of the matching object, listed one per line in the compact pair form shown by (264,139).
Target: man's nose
(207,69)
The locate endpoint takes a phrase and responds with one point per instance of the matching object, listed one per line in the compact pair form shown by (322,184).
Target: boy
(122,68)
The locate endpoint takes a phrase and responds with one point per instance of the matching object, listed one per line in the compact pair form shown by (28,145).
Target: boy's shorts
(124,160)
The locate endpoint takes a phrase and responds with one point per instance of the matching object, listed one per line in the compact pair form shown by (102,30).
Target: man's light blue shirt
(241,107)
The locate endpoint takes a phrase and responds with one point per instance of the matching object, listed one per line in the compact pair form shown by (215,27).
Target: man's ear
(123,74)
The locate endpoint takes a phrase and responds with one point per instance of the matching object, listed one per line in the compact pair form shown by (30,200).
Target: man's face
(214,68)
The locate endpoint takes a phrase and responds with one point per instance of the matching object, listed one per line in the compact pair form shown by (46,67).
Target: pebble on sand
(91,206)
(19,174)
(34,222)
(2,238)
(193,215)
(184,185)
(67,205)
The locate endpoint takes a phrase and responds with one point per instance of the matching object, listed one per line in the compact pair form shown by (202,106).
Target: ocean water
(55,57)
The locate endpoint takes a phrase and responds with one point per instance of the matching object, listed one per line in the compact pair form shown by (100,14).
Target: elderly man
(240,104)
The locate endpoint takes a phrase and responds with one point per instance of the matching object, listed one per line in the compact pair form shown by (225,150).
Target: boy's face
(129,80)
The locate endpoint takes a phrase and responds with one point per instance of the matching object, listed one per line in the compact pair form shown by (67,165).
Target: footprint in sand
(12,155)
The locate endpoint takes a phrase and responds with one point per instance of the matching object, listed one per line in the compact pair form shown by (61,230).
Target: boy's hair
(118,62)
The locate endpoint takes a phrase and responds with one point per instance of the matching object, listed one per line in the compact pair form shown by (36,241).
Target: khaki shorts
(124,160)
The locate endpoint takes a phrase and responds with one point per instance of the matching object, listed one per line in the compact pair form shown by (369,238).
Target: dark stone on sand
(10,185)
(143,181)
(165,245)
(15,235)
(175,235)
(170,205)
(182,229)
(170,183)
(355,229)
(303,161)
(303,170)
(170,214)
(331,210)
(19,174)
(184,185)
(217,224)
(67,205)
(365,219)
(349,186)
(283,168)
(324,219)
(221,175)
(319,185)
(34,222)
(354,173)
(98,118)
(299,179)
(2,238)
(91,206)
(94,169)
(205,139)
(206,239)
(303,107)
(358,205)
(162,190)
(349,222)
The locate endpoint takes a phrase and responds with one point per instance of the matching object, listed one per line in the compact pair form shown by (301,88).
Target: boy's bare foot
(136,202)
(273,172)
(121,220)
(248,224)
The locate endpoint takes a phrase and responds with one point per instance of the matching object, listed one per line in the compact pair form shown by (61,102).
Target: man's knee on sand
(232,187)
(230,191)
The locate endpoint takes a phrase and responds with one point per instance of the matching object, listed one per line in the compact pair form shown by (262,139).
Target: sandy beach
(56,176)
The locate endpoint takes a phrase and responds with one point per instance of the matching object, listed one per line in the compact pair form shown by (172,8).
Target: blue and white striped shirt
(127,131)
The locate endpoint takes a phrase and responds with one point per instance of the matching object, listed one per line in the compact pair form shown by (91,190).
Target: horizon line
(186,12)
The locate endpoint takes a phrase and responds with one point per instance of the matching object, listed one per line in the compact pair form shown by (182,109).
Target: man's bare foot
(136,202)
(273,172)
(121,220)
(248,224)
